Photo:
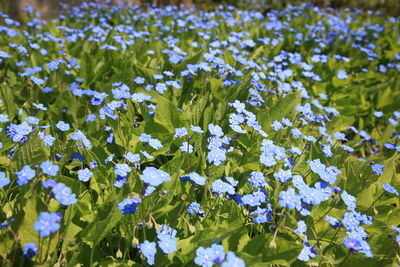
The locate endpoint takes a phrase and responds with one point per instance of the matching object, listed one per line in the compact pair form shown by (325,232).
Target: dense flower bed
(183,137)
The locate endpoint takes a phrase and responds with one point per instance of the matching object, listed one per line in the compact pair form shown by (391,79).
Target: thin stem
(326,213)
(345,259)
(48,248)
(374,202)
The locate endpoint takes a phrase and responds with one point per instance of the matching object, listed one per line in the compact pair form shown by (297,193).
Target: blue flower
(233,261)
(25,175)
(180,132)
(148,250)
(129,205)
(3,180)
(276,126)
(161,87)
(263,215)
(18,132)
(288,198)
(307,252)
(194,208)
(352,243)
(148,190)
(37,80)
(47,223)
(216,156)
(349,200)
(109,158)
(196,129)
(296,133)
(207,257)
(342,75)
(30,250)
(84,175)
(62,126)
(398,233)
(377,169)
(132,157)
(154,176)
(155,143)
(122,169)
(186,147)
(144,138)
(93,165)
(255,199)
(48,140)
(215,130)
(146,154)
(140,97)
(79,136)
(220,187)
(257,179)
(195,177)
(166,239)
(301,227)
(332,221)
(49,168)
(120,181)
(390,189)
(283,176)
(63,194)
(203,258)
(53,65)
(328,174)
(4,118)
(49,183)
(139,80)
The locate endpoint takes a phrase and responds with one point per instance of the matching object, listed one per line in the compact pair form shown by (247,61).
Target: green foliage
(221,79)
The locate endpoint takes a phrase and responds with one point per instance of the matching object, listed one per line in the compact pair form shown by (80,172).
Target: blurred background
(49,8)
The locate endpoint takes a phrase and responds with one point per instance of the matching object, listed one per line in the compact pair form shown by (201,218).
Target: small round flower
(3,180)
(194,208)
(332,221)
(132,158)
(186,147)
(352,243)
(180,132)
(233,261)
(63,194)
(195,177)
(62,126)
(288,198)
(84,175)
(128,205)
(377,169)
(30,250)
(47,223)
(202,258)
(257,179)
(122,169)
(25,175)
(49,183)
(154,176)
(49,168)
(93,165)
(166,239)
(342,75)
(196,129)
(148,250)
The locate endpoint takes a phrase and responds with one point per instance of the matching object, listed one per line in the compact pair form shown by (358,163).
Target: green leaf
(30,153)
(109,217)
(283,108)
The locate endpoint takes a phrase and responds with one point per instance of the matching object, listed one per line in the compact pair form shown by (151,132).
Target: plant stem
(374,202)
